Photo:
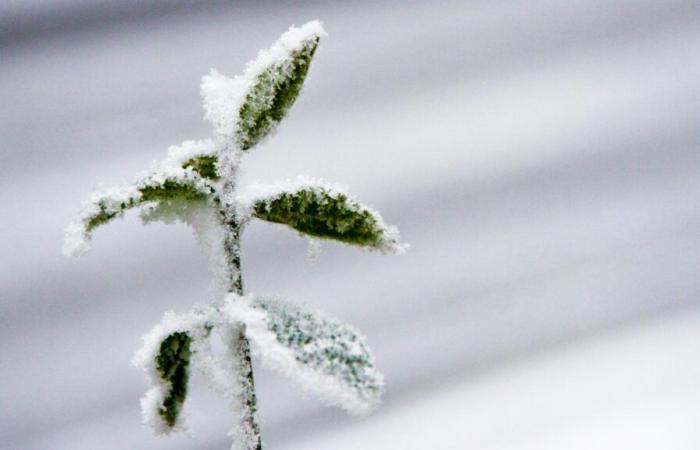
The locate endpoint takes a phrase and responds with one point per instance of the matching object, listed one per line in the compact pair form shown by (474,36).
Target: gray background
(540,156)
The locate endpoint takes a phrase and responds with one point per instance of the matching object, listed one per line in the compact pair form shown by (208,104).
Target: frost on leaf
(327,358)
(323,211)
(200,156)
(170,187)
(273,93)
(165,358)
(247,108)
(173,364)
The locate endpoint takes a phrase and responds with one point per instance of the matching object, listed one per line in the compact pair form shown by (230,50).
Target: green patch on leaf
(167,193)
(106,214)
(273,94)
(173,362)
(319,214)
(171,190)
(205,166)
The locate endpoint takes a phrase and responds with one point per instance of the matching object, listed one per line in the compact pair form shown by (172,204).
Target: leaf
(173,364)
(324,356)
(323,212)
(247,108)
(205,166)
(162,189)
(274,91)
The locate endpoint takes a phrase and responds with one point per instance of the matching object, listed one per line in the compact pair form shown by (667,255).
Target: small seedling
(197,185)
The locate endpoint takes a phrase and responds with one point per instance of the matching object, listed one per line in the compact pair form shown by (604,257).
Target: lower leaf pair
(326,357)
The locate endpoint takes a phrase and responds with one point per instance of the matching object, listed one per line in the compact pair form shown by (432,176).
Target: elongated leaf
(247,108)
(159,189)
(326,357)
(173,365)
(323,211)
(165,358)
(274,91)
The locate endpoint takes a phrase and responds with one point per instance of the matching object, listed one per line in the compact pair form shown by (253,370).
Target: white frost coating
(247,198)
(77,237)
(225,374)
(314,248)
(219,369)
(224,96)
(115,200)
(145,359)
(180,154)
(251,194)
(275,356)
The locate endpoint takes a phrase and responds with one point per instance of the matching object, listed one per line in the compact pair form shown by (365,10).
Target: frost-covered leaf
(201,156)
(170,186)
(323,211)
(247,108)
(205,166)
(326,357)
(165,358)
(173,364)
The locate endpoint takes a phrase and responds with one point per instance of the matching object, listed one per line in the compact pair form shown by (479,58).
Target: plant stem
(248,430)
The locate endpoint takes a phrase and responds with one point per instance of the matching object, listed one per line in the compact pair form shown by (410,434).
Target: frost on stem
(247,108)
(323,211)
(327,358)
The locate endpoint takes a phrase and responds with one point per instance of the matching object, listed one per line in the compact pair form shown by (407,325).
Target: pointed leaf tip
(323,211)
(248,108)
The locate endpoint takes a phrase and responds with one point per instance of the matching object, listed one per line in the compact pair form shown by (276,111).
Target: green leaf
(325,356)
(204,165)
(274,91)
(324,213)
(175,190)
(173,365)
(165,191)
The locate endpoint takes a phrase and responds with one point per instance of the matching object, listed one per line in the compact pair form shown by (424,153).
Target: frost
(165,359)
(314,249)
(196,184)
(180,155)
(327,358)
(165,187)
(321,210)
(247,108)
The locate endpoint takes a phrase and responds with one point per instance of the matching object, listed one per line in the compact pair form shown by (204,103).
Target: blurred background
(540,156)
